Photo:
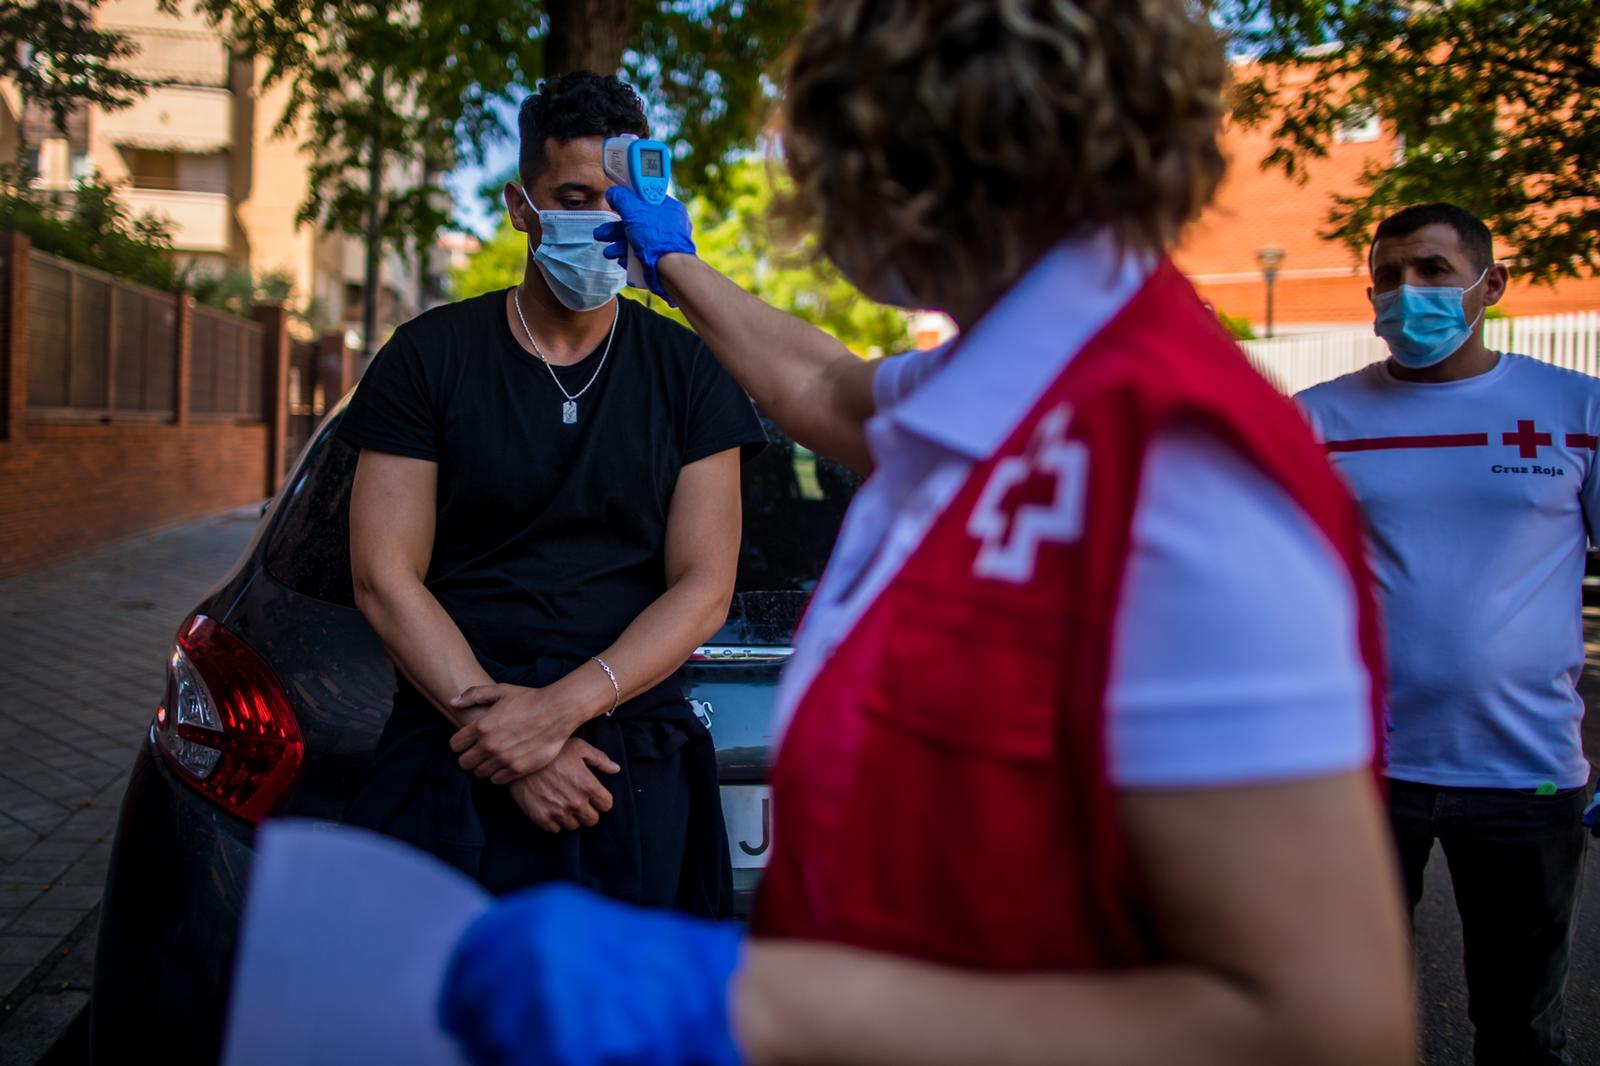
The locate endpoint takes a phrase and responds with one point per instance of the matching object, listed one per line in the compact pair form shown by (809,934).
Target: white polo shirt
(1236,658)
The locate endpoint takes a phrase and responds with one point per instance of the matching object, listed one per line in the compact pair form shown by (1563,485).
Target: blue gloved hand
(653,230)
(558,976)
(1591,816)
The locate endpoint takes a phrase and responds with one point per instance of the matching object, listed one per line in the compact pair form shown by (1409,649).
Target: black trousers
(1515,860)
(662,844)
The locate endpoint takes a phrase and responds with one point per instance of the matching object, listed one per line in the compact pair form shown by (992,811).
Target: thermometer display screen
(650,164)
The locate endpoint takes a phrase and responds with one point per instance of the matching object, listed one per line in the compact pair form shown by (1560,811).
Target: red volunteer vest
(942,791)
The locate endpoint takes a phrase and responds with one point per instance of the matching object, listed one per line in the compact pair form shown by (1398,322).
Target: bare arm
(704,522)
(1277,910)
(807,382)
(701,554)
(391,542)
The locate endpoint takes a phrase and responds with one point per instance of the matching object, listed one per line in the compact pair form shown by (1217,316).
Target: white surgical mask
(572,261)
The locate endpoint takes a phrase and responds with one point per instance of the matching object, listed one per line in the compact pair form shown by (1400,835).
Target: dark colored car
(277,691)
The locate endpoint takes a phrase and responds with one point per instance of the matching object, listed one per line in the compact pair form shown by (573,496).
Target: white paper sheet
(345,942)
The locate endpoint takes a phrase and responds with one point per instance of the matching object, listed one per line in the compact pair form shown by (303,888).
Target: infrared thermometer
(645,167)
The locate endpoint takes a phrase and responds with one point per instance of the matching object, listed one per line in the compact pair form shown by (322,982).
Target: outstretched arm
(1276,913)
(1274,909)
(812,386)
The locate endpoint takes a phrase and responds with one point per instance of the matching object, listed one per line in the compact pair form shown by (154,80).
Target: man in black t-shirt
(544,524)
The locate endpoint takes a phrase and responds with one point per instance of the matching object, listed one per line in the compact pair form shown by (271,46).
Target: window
(1360,125)
(149,169)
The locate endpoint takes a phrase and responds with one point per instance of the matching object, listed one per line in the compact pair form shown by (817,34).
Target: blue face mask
(573,262)
(1424,325)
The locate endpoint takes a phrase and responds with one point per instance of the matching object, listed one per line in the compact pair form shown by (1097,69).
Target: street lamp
(1269,258)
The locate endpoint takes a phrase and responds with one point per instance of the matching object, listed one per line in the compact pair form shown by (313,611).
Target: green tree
(59,60)
(1496,104)
(91,226)
(374,84)
(735,234)
(497,264)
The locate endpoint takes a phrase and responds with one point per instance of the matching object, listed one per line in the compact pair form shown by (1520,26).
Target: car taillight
(226,726)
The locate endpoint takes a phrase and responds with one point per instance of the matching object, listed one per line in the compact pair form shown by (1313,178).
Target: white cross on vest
(1031,499)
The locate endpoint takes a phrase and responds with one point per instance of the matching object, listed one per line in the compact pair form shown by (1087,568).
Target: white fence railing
(1299,362)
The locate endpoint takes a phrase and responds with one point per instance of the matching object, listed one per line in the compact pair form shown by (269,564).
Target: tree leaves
(451,69)
(1496,104)
(61,61)
(91,226)
(419,81)
(711,70)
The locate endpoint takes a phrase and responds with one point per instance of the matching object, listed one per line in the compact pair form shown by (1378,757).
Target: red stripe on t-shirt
(1583,440)
(1434,440)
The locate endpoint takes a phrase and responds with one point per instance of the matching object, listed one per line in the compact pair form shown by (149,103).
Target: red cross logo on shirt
(1031,499)
(1526,439)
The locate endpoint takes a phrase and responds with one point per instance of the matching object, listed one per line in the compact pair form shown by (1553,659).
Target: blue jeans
(1515,860)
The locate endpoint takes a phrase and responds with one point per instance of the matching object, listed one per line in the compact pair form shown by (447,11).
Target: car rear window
(309,550)
(794,502)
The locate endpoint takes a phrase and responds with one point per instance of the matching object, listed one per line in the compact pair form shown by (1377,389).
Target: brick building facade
(1320,283)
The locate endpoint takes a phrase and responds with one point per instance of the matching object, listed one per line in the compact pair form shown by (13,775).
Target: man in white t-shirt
(1476,472)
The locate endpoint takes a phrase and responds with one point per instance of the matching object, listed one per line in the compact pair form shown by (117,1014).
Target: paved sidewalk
(81,671)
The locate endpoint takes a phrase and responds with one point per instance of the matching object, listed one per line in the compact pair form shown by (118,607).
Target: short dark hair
(579,103)
(1474,234)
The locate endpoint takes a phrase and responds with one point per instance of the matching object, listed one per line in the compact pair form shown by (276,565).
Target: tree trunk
(586,35)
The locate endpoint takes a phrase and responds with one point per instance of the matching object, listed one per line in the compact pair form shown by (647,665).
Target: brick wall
(72,485)
(67,488)
(1308,303)
(1320,282)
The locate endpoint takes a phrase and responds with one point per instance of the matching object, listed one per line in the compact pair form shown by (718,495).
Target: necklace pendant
(569,412)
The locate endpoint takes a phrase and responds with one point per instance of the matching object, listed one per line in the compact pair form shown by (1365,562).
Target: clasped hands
(523,740)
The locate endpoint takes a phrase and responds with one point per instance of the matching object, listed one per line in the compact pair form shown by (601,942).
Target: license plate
(747,809)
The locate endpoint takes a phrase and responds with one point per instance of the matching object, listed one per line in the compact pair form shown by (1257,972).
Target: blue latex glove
(653,230)
(558,976)
(1591,816)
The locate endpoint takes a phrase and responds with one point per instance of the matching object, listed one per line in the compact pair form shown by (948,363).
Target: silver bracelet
(615,688)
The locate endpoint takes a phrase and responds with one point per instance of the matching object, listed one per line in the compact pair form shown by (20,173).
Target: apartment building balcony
(199,220)
(176,118)
(176,55)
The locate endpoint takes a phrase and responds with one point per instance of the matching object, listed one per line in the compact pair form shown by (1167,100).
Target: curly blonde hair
(953,141)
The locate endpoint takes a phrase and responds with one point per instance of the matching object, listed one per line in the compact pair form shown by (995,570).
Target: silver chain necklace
(569,409)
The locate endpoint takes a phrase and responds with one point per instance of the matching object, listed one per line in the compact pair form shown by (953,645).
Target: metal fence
(225,367)
(1299,362)
(100,347)
(306,400)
